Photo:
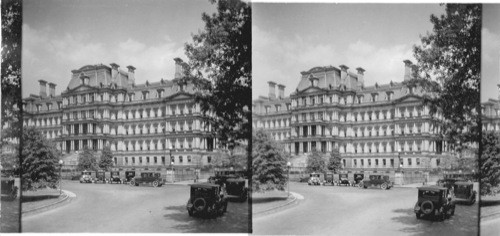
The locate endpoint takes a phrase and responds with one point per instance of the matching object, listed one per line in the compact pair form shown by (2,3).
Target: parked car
(115,177)
(329,178)
(314,179)
(147,178)
(100,177)
(464,191)
(9,189)
(237,187)
(377,181)
(207,200)
(344,180)
(129,175)
(86,177)
(358,178)
(448,182)
(304,179)
(434,202)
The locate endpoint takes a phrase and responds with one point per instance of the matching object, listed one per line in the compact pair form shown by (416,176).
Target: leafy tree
(220,65)
(40,161)
(449,66)
(268,164)
(11,79)
(490,164)
(315,162)
(87,160)
(106,160)
(334,161)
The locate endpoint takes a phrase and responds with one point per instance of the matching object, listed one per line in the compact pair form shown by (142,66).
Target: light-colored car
(314,179)
(86,177)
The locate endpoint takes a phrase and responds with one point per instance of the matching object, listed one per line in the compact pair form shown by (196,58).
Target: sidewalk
(185,182)
(48,205)
(414,185)
(272,202)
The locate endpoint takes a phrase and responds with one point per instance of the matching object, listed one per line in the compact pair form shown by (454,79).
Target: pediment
(310,89)
(180,96)
(410,98)
(82,87)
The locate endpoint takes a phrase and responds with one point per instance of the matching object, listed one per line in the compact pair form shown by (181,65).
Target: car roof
(432,188)
(204,185)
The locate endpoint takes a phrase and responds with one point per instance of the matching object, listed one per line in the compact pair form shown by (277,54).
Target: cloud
(282,59)
(490,46)
(52,57)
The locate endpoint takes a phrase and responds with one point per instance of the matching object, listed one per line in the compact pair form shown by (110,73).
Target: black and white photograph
(135,117)
(366,119)
(490,102)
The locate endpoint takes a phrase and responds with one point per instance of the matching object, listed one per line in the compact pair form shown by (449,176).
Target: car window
(428,193)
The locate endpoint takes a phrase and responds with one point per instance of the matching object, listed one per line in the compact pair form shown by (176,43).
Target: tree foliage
(268,164)
(106,160)
(490,164)
(11,80)
(220,65)
(40,160)
(87,160)
(334,161)
(448,66)
(315,162)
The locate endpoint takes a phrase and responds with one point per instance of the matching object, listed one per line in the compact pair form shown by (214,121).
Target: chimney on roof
(114,72)
(52,89)
(43,88)
(408,69)
(131,75)
(272,92)
(344,77)
(281,91)
(179,70)
(361,74)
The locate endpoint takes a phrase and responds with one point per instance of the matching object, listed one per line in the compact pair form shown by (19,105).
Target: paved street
(355,211)
(123,208)
(9,219)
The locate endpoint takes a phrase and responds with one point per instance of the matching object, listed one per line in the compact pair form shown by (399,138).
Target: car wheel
(199,204)
(155,184)
(360,185)
(383,186)
(427,207)
(132,183)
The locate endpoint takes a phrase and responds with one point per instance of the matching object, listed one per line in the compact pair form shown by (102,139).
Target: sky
(490,52)
(290,38)
(63,35)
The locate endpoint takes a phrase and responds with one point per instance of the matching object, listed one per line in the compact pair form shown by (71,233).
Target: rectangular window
(180,159)
(409,161)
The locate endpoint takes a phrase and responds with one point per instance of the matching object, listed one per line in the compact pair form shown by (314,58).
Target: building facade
(153,124)
(380,127)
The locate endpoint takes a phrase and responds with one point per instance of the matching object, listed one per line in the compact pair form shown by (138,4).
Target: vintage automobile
(236,188)
(358,178)
(448,182)
(464,192)
(115,177)
(100,177)
(314,179)
(434,202)
(147,178)
(9,189)
(86,177)
(129,175)
(329,179)
(207,200)
(377,181)
(344,180)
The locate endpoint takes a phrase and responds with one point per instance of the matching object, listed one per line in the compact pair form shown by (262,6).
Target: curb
(492,216)
(68,196)
(292,202)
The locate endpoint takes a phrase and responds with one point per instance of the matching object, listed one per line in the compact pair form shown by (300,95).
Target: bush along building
(150,126)
(383,128)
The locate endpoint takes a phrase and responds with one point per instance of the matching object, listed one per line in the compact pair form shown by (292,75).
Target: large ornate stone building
(378,127)
(145,125)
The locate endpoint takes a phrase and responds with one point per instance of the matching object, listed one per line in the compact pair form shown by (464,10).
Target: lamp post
(172,166)
(288,164)
(61,162)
